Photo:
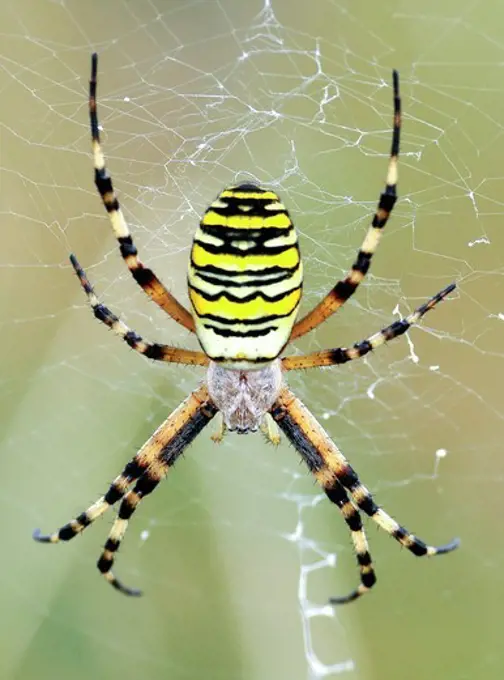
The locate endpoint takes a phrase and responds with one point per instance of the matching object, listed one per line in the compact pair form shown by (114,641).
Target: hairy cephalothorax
(244,397)
(245,282)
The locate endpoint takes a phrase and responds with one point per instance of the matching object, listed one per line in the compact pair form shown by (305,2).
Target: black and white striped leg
(116,491)
(148,467)
(364,500)
(161,451)
(341,355)
(155,351)
(337,495)
(145,485)
(346,288)
(144,276)
(331,469)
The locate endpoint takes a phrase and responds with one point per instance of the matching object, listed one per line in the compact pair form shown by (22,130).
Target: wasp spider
(245,280)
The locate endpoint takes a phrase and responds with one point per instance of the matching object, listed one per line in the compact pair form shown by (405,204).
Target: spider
(245,280)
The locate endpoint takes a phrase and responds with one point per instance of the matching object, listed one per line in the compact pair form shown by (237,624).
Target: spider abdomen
(245,277)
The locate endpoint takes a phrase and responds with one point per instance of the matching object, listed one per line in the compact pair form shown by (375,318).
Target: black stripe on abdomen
(231,333)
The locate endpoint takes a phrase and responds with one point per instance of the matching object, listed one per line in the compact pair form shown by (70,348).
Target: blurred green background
(236,552)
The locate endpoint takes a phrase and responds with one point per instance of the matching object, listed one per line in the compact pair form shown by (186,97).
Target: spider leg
(344,289)
(330,467)
(116,491)
(153,351)
(340,355)
(149,466)
(159,453)
(337,495)
(144,276)
(145,485)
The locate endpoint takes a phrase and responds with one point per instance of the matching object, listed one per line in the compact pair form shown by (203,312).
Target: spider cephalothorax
(244,397)
(245,281)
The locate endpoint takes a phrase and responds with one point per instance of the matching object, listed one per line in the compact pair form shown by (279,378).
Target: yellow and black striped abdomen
(245,277)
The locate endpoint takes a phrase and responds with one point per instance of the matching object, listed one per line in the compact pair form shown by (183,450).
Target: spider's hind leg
(143,275)
(344,289)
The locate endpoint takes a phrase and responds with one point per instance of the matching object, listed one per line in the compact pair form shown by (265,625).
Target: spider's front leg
(337,495)
(148,467)
(337,477)
(281,415)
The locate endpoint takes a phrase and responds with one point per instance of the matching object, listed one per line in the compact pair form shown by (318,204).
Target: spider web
(238,551)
